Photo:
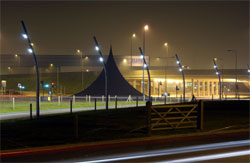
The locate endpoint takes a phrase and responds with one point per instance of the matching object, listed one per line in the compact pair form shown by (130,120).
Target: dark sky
(197,31)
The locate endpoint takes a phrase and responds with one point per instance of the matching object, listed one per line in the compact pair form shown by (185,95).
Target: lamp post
(217,73)
(146,66)
(131,50)
(166,84)
(31,50)
(105,70)
(235,71)
(183,77)
(78,51)
(144,52)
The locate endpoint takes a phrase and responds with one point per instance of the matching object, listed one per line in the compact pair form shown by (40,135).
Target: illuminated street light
(87,70)
(149,80)
(9,68)
(125,60)
(144,65)
(101,59)
(29,50)
(86,57)
(131,48)
(105,71)
(142,56)
(183,77)
(144,53)
(165,44)
(32,44)
(97,48)
(217,73)
(24,36)
(51,65)
(78,51)
(16,55)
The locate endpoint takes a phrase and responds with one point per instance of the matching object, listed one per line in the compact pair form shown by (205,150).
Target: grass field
(6,107)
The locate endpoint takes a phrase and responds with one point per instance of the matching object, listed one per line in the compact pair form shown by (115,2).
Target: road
(222,149)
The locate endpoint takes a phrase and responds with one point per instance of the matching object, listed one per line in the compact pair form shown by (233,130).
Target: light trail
(171,151)
(209,157)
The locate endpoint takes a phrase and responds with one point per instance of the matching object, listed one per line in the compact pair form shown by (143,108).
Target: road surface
(222,149)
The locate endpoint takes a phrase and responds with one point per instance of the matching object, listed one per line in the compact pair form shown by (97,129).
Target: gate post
(148,107)
(200,115)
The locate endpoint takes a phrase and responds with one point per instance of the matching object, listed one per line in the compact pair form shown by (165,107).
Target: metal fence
(10,103)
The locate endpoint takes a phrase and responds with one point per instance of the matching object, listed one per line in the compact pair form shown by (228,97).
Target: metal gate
(165,117)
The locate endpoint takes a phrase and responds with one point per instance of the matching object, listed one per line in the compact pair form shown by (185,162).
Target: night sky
(197,31)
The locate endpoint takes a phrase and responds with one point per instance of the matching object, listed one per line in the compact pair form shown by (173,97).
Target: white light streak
(171,151)
(210,157)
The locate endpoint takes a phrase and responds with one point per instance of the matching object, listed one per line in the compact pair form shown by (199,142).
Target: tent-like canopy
(117,85)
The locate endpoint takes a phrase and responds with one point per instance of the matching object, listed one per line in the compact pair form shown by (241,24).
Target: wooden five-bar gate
(175,116)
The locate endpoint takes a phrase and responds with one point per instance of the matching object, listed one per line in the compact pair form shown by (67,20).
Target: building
(165,76)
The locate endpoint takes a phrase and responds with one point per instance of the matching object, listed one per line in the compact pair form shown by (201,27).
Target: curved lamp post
(217,73)
(183,77)
(25,35)
(97,48)
(146,66)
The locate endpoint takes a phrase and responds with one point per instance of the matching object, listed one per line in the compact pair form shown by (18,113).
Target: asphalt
(70,151)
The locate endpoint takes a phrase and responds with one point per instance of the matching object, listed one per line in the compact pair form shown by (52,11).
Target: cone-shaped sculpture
(117,85)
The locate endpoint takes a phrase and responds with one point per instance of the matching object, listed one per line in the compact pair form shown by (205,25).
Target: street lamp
(146,66)
(105,71)
(183,77)
(166,85)
(217,73)
(144,52)
(132,38)
(31,50)
(235,71)
(78,51)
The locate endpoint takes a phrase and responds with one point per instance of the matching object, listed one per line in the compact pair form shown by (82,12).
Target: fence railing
(15,103)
